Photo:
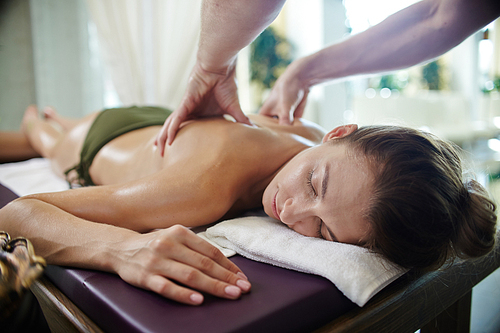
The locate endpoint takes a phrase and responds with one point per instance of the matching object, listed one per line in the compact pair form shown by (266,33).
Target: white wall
(17,81)
(67,75)
(312,25)
(46,59)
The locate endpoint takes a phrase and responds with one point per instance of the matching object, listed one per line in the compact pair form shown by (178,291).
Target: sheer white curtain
(148,47)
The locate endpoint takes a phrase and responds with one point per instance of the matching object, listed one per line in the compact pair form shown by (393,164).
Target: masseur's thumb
(290,107)
(235,111)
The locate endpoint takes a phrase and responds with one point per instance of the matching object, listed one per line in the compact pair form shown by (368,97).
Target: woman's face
(323,192)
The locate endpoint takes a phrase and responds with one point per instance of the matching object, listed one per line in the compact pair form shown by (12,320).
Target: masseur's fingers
(288,96)
(235,110)
(171,126)
(208,94)
(296,110)
(175,121)
(161,137)
(284,105)
(299,111)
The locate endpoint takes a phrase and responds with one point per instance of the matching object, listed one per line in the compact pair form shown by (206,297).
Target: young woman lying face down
(395,190)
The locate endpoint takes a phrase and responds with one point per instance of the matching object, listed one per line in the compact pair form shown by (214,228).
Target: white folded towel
(31,176)
(355,271)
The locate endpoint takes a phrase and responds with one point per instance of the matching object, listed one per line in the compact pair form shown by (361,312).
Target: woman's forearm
(413,35)
(150,261)
(229,25)
(62,238)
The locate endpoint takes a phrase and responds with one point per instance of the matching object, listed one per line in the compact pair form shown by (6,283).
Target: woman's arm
(148,261)
(415,34)
(190,194)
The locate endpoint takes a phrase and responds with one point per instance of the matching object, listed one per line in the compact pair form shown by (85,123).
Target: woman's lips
(275,210)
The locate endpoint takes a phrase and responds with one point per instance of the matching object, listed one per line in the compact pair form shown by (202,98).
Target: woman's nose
(293,212)
(297,215)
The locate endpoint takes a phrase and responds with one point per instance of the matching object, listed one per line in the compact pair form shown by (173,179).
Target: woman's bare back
(134,155)
(215,168)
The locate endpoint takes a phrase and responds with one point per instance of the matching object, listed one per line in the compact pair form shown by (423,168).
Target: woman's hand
(152,261)
(288,97)
(207,94)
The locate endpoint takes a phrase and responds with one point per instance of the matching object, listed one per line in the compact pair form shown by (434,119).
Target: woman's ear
(340,132)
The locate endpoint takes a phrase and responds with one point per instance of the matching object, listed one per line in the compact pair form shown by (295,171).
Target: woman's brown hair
(422,213)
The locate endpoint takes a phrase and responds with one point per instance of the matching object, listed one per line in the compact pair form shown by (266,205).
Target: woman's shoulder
(301,127)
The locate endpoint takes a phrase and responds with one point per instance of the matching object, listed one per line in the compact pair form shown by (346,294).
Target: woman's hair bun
(475,230)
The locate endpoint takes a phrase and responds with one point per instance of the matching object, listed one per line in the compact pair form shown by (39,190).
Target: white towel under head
(356,272)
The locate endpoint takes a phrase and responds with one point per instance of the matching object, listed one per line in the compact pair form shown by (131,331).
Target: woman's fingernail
(233,291)
(196,298)
(241,275)
(243,284)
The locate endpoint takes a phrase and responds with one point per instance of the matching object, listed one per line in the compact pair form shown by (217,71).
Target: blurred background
(84,55)
(80,56)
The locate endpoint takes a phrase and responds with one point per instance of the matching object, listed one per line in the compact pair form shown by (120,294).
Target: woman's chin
(267,211)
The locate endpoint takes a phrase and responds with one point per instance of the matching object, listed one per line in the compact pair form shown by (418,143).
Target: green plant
(391,81)
(270,55)
(431,75)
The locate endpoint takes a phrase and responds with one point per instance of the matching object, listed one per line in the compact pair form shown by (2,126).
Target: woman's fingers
(197,253)
(177,254)
(191,277)
(173,291)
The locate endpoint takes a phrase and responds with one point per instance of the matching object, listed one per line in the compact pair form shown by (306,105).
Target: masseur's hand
(153,260)
(288,97)
(207,94)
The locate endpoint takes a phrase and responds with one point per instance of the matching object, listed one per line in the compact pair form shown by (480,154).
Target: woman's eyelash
(320,234)
(309,181)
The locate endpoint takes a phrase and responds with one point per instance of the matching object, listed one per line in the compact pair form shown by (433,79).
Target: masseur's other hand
(207,94)
(288,97)
(154,260)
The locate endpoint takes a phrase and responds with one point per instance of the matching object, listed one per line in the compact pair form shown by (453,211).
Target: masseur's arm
(226,27)
(413,35)
(149,261)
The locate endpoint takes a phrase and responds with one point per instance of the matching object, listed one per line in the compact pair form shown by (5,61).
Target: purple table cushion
(280,300)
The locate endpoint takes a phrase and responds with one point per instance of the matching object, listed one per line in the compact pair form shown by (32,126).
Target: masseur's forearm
(62,238)
(229,25)
(418,33)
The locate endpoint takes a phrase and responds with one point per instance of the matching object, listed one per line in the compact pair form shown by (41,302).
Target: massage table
(281,300)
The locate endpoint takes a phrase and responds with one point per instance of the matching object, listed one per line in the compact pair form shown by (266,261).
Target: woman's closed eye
(310,184)
(329,234)
(319,232)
